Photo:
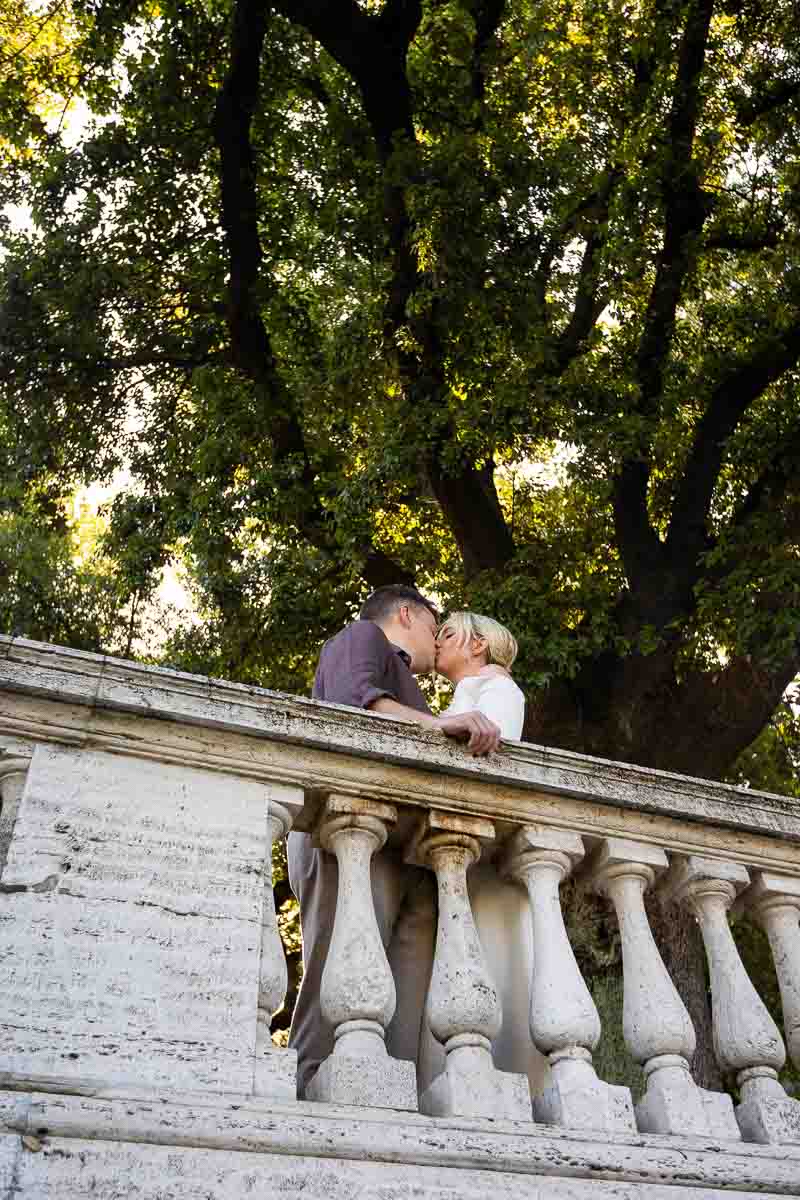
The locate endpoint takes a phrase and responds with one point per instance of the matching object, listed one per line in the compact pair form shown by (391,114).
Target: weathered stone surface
(773,1120)
(108,1171)
(551,778)
(674,1104)
(374,1136)
(275,1073)
(14,1108)
(719,1113)
(139,966)
(130,921)
(381,1082)
(656,1025)
(775,900)
(357,994)
(463,1004)
(746,1039)
(467,1089)
(577,1099)
(10,1154)
(13,774)
(564,1021)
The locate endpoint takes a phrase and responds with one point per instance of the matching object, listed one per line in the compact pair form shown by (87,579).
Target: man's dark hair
(383,602)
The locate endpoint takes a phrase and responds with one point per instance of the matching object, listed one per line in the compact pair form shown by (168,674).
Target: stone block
(720,1117)
(674,1104)
(10,1151)
(439,821)
(275,1075)
(383,1082)
(617,851)
(577,1099)
(770,1120)
(463,1091)
(131,927)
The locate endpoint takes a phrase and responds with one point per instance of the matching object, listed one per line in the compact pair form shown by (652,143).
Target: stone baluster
(463,1005)
(564,1021)
(775,902)
(656,1026)
(275,1072)
(746,1039)
(13,772)
(357,994)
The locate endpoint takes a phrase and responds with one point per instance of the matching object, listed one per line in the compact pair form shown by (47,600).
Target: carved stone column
(13,772)
(657,1028)
(775,901)
(746,1039)
(275,1071)
(564,1021)
(357,994)
(463,1005)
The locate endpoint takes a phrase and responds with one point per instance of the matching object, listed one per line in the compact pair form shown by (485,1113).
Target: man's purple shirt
(360,664)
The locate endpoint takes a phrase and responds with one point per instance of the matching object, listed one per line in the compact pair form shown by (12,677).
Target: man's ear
(404,616)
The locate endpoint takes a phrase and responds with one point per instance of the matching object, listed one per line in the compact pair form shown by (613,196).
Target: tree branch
(687,534)
(751,241)
(587,307)
(770,488)
(250,345)
(685,206)
(487,15)
(731,707)
(251,350)
(685,210)
(774,96)
(372,50)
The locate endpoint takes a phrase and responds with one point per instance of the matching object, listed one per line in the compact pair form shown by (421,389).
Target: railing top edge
(98,681)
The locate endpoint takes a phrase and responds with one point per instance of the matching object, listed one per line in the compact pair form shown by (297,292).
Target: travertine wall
(130,950)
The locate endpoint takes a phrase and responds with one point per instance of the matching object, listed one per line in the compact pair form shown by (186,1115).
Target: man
(371,664)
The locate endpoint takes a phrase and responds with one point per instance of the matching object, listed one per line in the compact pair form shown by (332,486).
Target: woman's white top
(493,693)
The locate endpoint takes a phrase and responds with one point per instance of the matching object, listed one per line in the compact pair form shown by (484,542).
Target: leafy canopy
(502,297)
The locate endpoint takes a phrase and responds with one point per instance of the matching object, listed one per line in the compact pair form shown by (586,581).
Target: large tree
(331,278)
(502,297)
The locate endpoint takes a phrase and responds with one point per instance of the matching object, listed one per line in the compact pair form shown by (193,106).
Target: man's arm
(481,735)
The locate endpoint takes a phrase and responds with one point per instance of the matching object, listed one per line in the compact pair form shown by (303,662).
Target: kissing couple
(372,664)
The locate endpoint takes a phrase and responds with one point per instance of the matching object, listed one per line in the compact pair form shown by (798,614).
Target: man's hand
(481,734)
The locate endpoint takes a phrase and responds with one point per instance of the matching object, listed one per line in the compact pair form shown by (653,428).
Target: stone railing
(140,956)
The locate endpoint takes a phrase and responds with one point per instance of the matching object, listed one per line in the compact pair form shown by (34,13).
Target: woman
(476,654)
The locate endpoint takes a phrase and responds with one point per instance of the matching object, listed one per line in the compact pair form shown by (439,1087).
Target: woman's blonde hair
(501,645)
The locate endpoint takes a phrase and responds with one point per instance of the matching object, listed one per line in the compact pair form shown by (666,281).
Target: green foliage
(771,763)
(460,307)
(612,1060)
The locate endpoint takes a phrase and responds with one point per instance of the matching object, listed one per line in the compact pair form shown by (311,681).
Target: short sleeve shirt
(360,664)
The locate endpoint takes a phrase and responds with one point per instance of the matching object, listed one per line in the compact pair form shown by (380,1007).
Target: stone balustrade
(140,962)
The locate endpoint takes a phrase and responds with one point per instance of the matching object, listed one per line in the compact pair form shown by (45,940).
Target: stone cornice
(92,686)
